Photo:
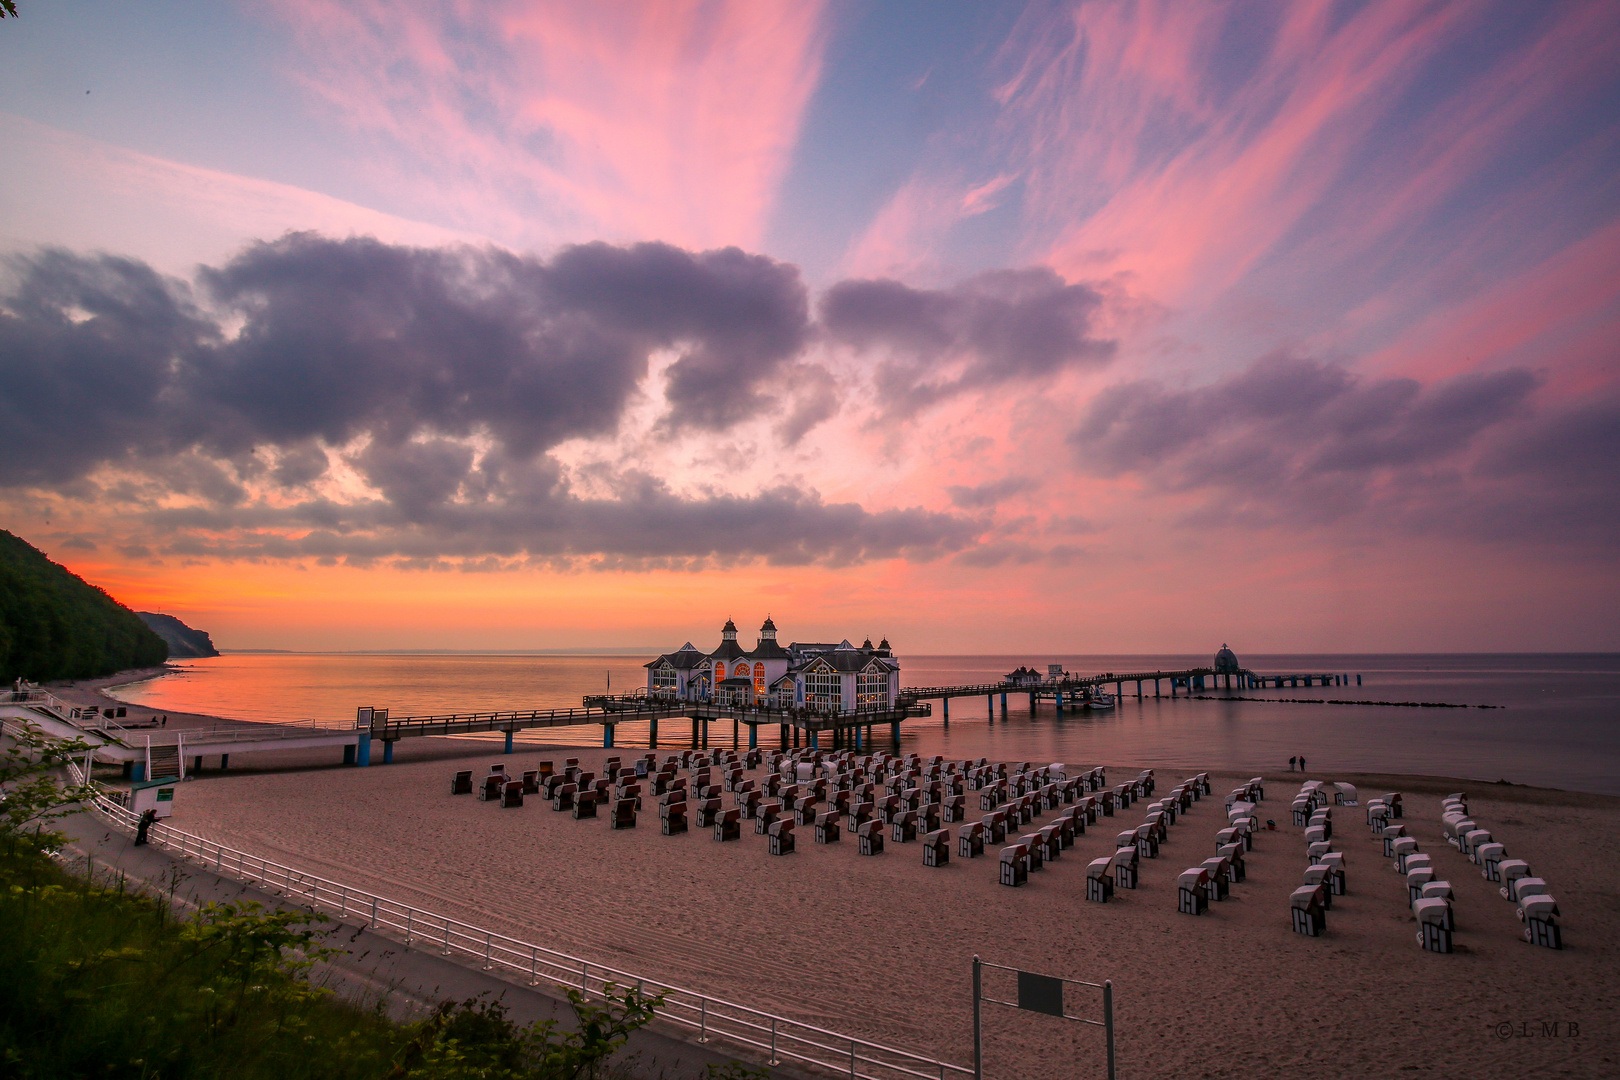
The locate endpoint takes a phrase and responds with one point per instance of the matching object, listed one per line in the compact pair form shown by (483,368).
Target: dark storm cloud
(1297,440)
(990,329)
(453,370)
(343,338)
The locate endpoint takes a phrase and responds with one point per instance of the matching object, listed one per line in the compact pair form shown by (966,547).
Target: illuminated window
(759,678)
(664,678)
(719,671)
(872,690)
(824,690)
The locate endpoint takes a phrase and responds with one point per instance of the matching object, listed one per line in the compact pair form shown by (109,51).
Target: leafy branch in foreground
(30,793)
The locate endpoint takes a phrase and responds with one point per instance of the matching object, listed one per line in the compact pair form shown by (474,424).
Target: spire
(767,630)
(729,631)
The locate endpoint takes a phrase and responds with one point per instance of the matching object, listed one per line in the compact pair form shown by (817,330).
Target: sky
(986,327)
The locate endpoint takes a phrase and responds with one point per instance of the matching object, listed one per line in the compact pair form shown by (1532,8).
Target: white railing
(221,736)
(779,1037)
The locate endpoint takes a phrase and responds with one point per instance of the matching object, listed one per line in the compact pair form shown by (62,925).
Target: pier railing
(778,1038)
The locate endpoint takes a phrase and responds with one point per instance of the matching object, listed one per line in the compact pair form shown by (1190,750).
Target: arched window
(719,671)
(759,678)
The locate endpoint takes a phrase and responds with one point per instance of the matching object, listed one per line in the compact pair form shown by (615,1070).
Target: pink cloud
(672,121)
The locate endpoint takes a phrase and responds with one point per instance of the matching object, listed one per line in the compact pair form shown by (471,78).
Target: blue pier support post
(388,751)
(362,750)
(348,753)
(894,732)
(138,772)
(224,762)
(508,749)
(815,740)
(990,704)
(753,736)
(1358,680)
(1003,704)
(695,723)
(857,730)
(946,702)
(652,734)
(1172,686)
(1060,701)
(607,735)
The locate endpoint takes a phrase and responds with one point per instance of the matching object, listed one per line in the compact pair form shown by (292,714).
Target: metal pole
(773,1060)
(703,1020)
(1108,1022)
(978,1029)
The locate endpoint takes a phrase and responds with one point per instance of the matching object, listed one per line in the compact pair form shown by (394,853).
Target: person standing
(1302,763)
(1291,764)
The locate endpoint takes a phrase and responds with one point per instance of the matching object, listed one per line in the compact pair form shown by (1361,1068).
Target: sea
(1554,720)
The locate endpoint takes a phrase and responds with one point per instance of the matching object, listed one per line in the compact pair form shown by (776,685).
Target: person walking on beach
(165,721)
(1302,763)
(1291,764)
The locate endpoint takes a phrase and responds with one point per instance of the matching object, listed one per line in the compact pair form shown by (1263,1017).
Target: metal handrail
(779,1036)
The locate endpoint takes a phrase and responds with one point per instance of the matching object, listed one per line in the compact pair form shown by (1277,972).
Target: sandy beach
(880,946)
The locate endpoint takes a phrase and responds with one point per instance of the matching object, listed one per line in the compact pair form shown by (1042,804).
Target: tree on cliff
(56,625)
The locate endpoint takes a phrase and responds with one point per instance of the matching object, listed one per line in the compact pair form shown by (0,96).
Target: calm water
(1559,725)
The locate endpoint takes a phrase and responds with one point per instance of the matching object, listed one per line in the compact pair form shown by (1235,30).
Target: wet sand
(881,946)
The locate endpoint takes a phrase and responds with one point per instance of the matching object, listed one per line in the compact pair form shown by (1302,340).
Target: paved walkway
(410,980)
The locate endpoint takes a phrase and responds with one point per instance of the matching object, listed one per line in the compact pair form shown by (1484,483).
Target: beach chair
(1125,867)
(1415,880)
(928,818)
(511,794)
(1147,842)
(1539,913)
(1302,812)
(491,790)
(1315,834)
(707,813)
(1489,857)
(1076,816)
(1310,916)
(562,796)
(1192,891)
(1099,880)
(672,818)
(728,825)
(1065,832)
(1507,872)
(970,840)
(1321,874)
(779,839)
(869,837)
(860,814)
(937,848)
(903,829)
(585,803)
(1522,887)
(1391,834)
(827,827)
(1049,843)
(1091,807)
(988,799)
(1314,852)
(789,796)
(765,815)
(1434,924)
(954,810)
(1105,803)
(1472,839)
(749,803)
(531,782)
(805,812)
(889,809)
(1015,865)
(462,784)
(624,814)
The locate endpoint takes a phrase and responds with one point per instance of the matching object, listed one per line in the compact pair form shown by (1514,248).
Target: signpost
(1042,994)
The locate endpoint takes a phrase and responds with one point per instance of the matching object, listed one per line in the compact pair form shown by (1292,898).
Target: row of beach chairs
(1430,897)
(1212,880)
(1534,905)
(1121,868)
(1325,875)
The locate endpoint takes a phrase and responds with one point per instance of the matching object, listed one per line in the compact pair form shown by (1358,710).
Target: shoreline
(93,692)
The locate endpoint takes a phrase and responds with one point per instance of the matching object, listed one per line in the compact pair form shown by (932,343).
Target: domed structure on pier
(1226,662)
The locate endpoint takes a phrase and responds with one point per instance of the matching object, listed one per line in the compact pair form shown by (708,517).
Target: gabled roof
(684,660)
(846,660)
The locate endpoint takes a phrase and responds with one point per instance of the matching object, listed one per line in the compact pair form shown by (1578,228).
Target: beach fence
(778,1038)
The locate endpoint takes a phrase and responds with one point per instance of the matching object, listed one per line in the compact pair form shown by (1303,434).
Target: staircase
(162,761)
